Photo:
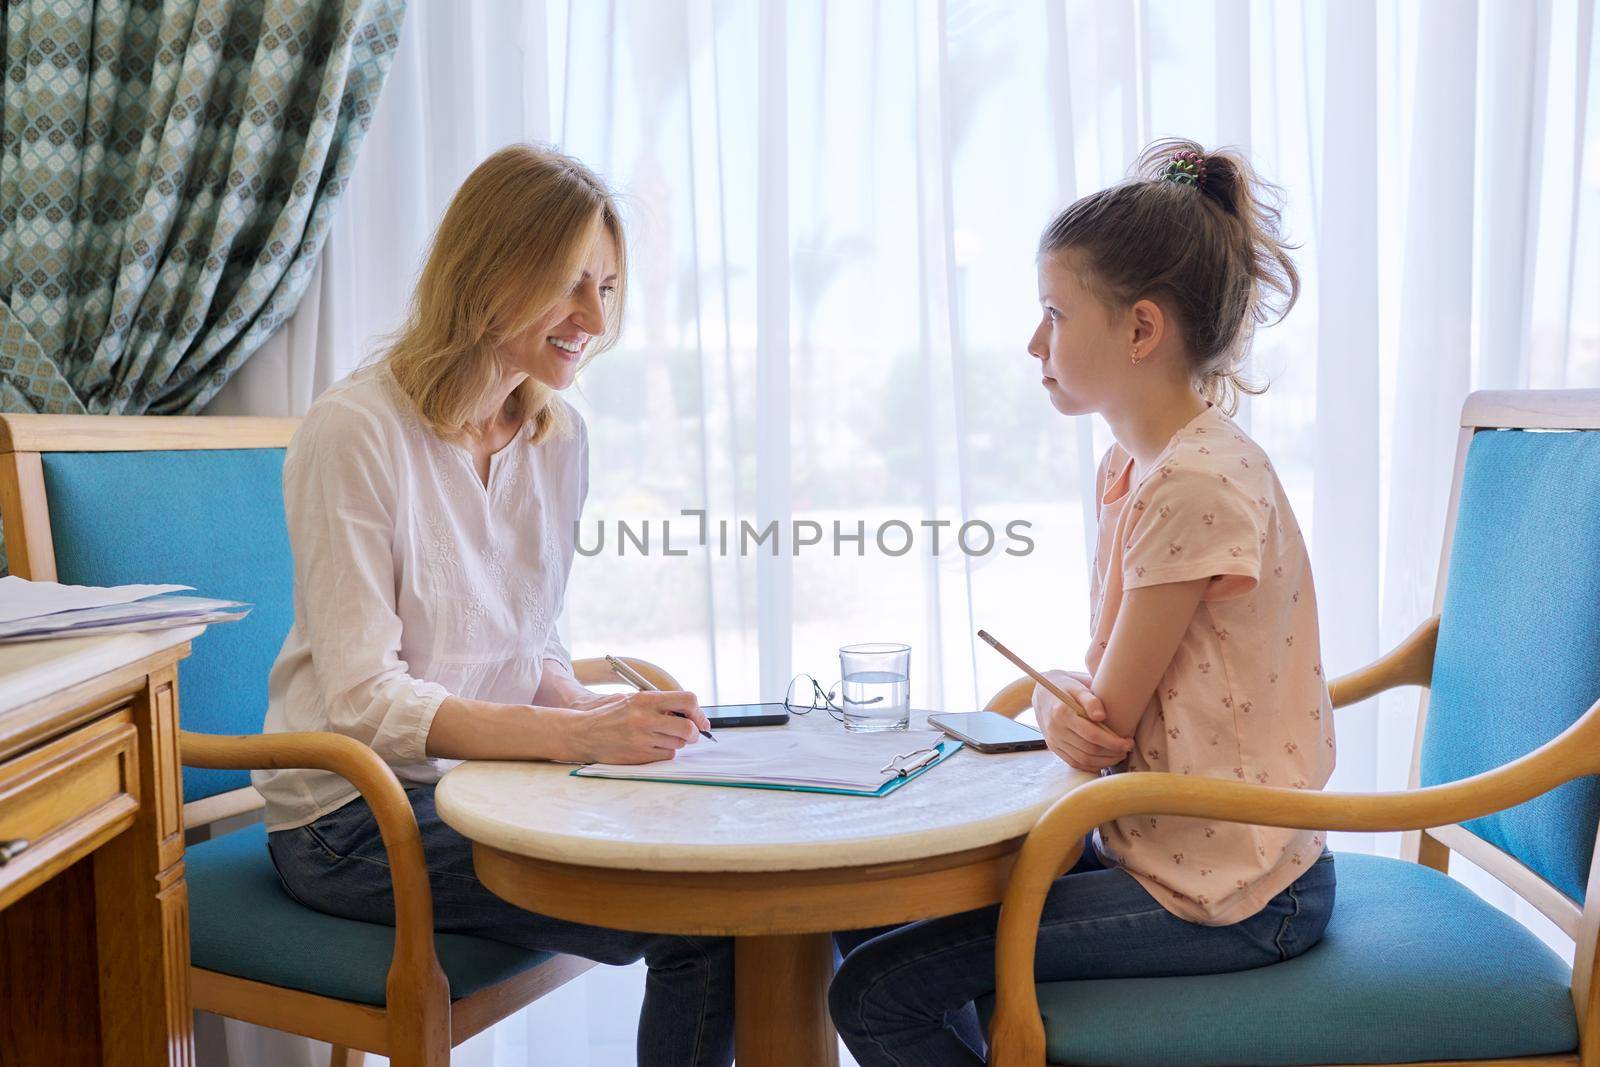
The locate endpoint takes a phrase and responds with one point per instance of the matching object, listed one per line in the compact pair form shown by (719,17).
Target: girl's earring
(1133,357)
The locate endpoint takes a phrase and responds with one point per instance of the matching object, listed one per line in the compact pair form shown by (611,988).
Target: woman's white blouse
(412,581)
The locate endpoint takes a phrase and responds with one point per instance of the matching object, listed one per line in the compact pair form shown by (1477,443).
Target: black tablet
(725,716)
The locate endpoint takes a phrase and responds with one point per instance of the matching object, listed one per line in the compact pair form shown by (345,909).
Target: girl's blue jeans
(338,865)
(903,997)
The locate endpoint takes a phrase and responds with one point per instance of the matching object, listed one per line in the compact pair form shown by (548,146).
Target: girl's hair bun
(1218,175)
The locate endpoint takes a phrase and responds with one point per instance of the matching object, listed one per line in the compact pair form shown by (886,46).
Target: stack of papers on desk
(30,611)
(787,758)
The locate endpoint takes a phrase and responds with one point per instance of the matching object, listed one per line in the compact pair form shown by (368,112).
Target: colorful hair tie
(1186,168)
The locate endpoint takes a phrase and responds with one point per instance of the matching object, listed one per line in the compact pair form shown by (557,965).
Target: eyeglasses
(804,703)
(805,695)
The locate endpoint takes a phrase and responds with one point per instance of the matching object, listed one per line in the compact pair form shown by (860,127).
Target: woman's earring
(1133,357)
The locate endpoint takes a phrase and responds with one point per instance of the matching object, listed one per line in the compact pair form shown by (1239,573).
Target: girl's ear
(1149,325)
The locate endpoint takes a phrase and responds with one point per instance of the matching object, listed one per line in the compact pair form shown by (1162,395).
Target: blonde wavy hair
(512,243)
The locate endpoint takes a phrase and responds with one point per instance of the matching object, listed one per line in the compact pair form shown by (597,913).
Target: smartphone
(988,731)
(726,716)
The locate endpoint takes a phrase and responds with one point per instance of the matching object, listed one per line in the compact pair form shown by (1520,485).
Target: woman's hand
(1074,730)
(638,727)
(587,700)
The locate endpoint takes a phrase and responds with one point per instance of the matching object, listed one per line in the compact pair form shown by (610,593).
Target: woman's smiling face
(551,351)
(1081,345)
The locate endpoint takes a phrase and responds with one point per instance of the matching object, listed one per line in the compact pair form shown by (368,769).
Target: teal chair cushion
(1413,966)
(1518,658)
(209,519)
(243,923)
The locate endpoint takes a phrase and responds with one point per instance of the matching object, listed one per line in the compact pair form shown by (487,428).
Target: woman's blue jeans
(903,997)
(338,865)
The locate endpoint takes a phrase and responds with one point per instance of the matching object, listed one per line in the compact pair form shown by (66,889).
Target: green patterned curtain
(168,172)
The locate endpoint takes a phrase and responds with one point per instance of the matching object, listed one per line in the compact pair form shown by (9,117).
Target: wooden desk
(779,871)
(94,922)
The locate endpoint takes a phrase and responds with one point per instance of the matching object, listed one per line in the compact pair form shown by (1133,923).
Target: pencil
(641,683)
(1030,672)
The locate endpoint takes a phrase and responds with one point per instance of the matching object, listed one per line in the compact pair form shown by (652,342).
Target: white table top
(541,810)
(33,669)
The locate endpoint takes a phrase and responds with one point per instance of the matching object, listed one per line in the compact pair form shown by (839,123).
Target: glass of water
(875,686)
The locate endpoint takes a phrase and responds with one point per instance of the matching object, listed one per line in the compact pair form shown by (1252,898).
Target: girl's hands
(638,727)
(1074,731)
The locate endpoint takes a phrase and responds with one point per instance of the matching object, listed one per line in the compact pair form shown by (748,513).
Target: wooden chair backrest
(29,443)
(1489,413)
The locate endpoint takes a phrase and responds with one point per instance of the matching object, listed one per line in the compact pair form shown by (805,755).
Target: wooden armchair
(1413,966)
(109,500)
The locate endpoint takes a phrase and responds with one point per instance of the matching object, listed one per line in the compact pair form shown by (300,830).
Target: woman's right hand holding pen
(638,727)
(1075,731)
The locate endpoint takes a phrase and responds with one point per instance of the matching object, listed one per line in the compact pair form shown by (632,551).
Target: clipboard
(945,749)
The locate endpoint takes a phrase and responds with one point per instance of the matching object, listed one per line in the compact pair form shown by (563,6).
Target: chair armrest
(1014,699)
(597,671)
(414,973)
(1409,663)
(1017,1033)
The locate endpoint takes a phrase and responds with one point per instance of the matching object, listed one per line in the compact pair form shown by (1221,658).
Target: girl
(1204,651)
(432,501)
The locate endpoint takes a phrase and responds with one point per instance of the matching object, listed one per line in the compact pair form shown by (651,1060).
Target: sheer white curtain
(833,208)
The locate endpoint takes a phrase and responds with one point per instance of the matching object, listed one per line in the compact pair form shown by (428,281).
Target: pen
(641,683)
(1030,672)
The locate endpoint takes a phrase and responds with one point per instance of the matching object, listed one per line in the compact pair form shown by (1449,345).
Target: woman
(432,501)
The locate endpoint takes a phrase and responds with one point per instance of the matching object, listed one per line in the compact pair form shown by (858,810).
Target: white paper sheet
(22,599)
(154,614)
(170,622)
(778,756)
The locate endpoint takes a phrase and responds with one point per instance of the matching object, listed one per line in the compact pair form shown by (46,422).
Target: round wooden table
(778,871)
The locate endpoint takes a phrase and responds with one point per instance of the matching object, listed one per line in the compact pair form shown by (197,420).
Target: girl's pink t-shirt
(1244,697)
